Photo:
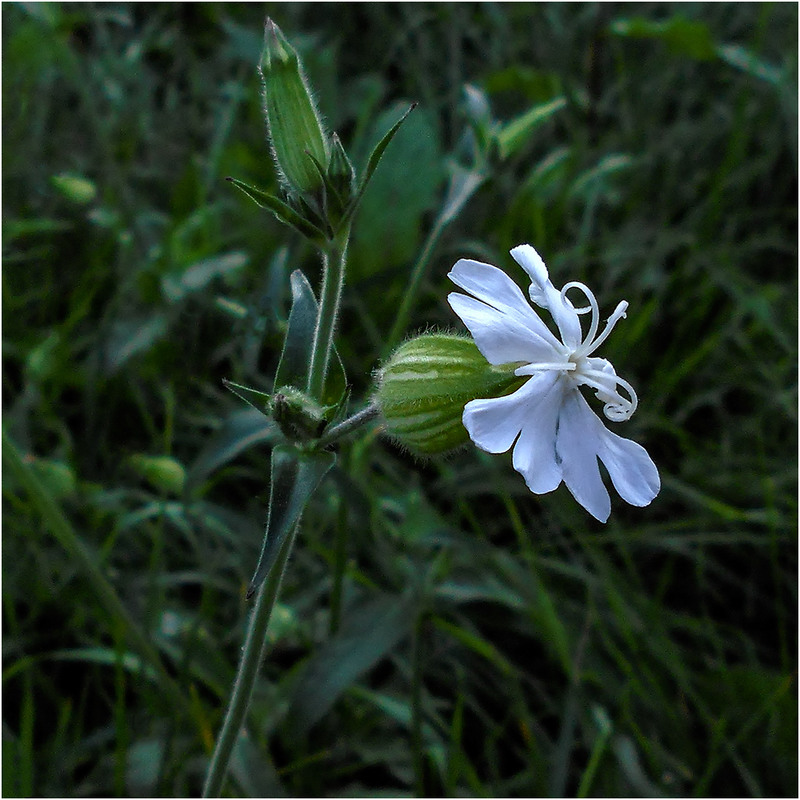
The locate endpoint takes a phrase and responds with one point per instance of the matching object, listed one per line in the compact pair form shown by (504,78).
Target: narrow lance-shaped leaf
(463,184)
(296,356)
(371,631)
(374,158)
(331,192)
(258,400)
(295,476)
(284,212)
(243,429)
(517,132)
(293,365)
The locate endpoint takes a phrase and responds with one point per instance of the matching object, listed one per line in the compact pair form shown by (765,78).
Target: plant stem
(252,654)
(346,427)
(333,263)
(333,267)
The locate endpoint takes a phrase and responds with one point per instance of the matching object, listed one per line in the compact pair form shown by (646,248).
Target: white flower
(557,435)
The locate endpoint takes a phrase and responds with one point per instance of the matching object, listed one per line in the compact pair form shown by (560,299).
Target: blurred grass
(488,642)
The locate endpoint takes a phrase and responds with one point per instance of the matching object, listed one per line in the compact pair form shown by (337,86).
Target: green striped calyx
(425,384)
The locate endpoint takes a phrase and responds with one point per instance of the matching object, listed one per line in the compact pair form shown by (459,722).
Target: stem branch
(346,427)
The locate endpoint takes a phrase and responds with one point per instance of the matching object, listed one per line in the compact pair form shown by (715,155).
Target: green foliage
(442,631)
(293,479)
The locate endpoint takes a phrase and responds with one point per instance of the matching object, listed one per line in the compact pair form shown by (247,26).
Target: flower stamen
(532,369)
(592,341)
(617,408)
(592,307)
(619,313)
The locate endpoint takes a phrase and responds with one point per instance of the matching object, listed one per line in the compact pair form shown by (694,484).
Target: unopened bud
(295,129)
(425,384)
(298,416)
(341,174)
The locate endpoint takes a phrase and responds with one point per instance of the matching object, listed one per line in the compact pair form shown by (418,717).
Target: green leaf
(368,635)
(463,184)
(253,397)
(252,768)
(129,337)
(284,212)
(682,36)
(333,200)
(296,356)
(242,430)
(745,60)
(513,135)
(295,476)
(197,276)
(107,657)
(58,477)
(374,159)
(392,209)
(476,643)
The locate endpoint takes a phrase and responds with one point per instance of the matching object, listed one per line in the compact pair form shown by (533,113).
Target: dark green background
(489,642)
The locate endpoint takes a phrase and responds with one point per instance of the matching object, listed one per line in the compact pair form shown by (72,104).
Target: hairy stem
(333,265)
(252,655)
(255,640)
(348,426)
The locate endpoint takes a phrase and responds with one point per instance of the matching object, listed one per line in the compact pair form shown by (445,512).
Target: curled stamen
(616,408)
(592,307)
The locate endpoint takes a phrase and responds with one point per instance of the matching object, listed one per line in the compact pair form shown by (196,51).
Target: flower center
(597,373)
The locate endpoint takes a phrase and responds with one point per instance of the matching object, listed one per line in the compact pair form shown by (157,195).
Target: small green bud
(425,384)
(162,472)
(295,129)
(74,187)
(298,416)
(341,174)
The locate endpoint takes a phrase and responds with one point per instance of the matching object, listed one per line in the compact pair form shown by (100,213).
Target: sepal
(425,384)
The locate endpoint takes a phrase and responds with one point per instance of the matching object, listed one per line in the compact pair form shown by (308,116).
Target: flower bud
(298,416)
(341,174)
(425,384)
(295,129)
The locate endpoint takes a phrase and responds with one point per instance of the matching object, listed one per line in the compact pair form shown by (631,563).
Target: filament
(616,408)
(532,369)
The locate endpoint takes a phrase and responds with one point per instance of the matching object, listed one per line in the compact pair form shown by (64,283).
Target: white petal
(544,294)
(632,471)
(577,445)
(493,287)
(535,451)
(501,338)
(494,423)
